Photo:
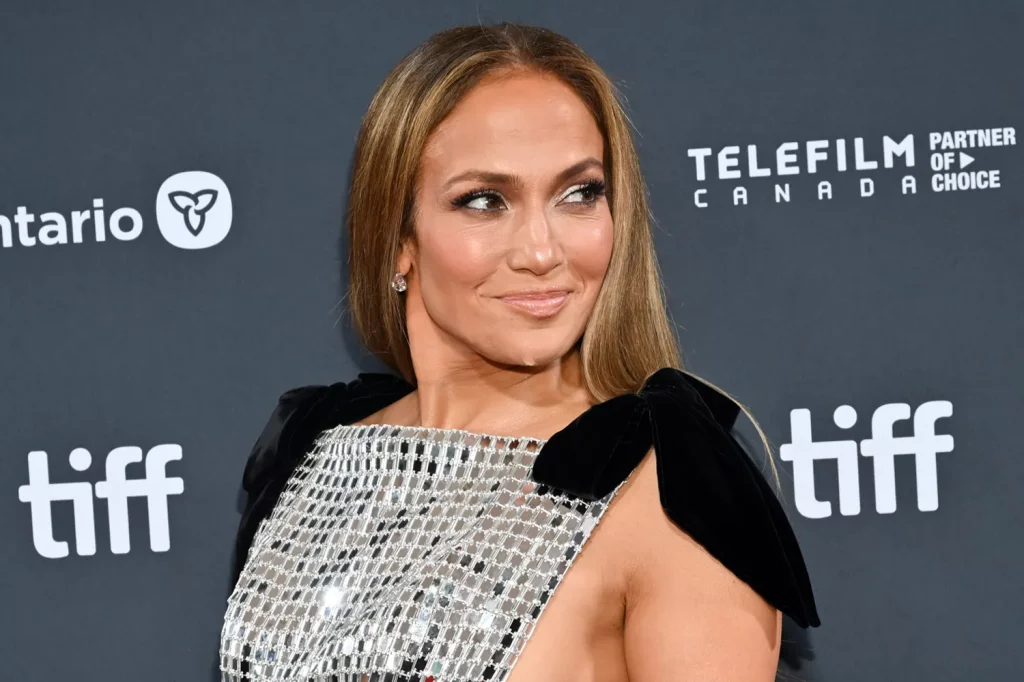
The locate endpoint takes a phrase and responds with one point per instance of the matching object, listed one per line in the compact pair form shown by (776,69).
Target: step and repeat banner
(837,190)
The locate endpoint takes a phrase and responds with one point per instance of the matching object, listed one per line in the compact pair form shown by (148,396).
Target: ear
(406,257)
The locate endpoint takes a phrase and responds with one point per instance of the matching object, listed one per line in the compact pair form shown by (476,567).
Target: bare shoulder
(685,611)
(402,411)
(660,548)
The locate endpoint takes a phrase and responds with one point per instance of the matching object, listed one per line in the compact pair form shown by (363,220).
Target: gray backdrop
(790,301)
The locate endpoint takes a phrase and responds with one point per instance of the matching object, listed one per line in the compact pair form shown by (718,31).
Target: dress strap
(708,485)
(300,415)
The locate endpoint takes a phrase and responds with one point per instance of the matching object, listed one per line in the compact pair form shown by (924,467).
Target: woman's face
(513,230)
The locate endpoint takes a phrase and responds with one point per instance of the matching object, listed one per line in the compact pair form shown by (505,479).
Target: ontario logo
(825,168)
(193,211)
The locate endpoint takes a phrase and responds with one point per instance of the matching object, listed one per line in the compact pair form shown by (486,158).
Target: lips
(537,303)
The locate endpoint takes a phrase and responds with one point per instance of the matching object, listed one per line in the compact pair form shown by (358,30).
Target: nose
(535,246)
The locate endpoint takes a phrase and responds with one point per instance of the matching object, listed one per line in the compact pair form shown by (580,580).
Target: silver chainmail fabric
(402,553)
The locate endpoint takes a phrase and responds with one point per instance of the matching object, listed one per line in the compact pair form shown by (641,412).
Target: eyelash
(596,187)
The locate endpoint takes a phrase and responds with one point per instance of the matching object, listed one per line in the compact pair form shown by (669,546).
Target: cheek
(590,249)
(453,260)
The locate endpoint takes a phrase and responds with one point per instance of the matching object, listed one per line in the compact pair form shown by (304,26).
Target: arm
(687,616)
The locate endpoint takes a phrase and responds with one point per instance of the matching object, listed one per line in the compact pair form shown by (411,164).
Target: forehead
(525,122)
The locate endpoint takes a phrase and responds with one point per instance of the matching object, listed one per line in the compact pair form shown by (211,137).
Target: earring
(398,282)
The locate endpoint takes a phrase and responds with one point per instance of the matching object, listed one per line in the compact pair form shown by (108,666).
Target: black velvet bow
(707,483)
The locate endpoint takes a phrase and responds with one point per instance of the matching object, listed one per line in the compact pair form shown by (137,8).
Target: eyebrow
(517,181)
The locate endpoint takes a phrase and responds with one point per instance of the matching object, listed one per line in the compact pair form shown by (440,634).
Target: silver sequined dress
(403,553)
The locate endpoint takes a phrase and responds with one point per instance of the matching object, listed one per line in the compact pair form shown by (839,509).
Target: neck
(484,397)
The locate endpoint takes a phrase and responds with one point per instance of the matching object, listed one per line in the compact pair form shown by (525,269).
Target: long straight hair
(629,335)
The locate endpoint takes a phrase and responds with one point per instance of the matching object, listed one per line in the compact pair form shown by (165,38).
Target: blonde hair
(629,335)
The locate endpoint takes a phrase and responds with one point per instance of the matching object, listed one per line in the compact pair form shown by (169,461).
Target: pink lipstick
(539,304)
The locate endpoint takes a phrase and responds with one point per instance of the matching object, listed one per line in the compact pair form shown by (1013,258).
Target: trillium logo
(193,210)
(194,207)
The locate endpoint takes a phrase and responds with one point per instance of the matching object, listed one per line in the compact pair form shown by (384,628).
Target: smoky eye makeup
(596,188)
(463,200)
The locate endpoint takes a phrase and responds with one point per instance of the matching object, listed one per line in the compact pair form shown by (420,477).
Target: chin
(530,355)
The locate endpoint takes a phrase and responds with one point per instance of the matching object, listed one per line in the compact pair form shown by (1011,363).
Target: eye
(588,192)
(479,200)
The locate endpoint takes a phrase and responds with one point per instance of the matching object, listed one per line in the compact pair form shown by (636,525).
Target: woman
(543,494)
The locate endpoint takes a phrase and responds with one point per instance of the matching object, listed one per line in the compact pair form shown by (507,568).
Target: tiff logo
(882,448)
(39,493)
